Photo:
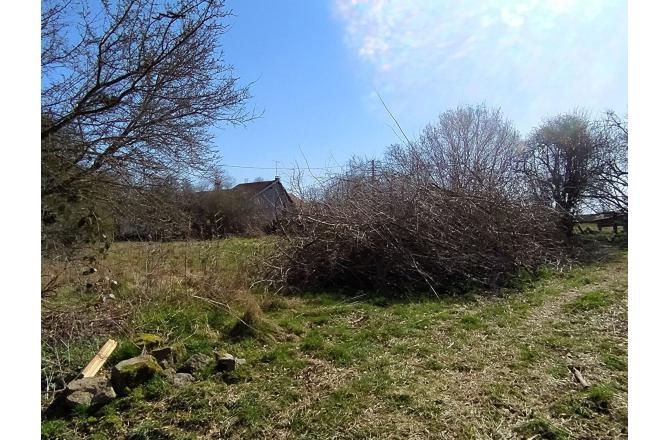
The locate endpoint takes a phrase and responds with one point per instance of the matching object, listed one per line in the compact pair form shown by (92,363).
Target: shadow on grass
(455,292)
(586,250)
(382,298)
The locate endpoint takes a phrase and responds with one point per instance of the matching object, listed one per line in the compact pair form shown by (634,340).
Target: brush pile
(394,236)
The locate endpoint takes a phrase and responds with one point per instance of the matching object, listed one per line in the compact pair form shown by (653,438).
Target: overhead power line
(282,168)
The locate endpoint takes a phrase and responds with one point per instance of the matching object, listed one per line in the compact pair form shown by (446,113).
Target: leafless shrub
(219,213)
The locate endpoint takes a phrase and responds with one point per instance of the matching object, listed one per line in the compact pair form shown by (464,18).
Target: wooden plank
(99,359)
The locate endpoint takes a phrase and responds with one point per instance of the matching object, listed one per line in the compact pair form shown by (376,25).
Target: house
(270,198)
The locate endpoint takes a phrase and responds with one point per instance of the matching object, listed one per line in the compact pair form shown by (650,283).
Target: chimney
(277,178)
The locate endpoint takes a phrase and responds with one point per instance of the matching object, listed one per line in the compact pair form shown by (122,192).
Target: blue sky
(317,65)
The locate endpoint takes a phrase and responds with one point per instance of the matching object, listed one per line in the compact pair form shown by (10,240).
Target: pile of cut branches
(392,233)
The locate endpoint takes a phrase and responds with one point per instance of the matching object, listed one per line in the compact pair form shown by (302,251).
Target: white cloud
(432,52)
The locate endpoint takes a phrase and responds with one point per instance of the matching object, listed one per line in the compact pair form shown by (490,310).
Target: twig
(579,376)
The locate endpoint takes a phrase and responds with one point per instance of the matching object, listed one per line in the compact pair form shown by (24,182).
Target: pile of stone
(167,361)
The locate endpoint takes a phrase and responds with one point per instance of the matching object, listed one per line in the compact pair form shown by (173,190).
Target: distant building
(245,208)
(270,198)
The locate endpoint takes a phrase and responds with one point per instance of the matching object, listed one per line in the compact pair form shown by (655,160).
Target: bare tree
(137,84)
(609,190)
(469,147)
(573,163)
(221,179)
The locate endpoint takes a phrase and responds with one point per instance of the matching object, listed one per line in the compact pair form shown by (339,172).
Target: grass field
(323,365)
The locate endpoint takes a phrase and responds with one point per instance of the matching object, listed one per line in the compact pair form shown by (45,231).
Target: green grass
(543,429)
(589,301)
(483,366)
(471,322)
(615,362)
(528,354)
(56,429)
(600,397)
